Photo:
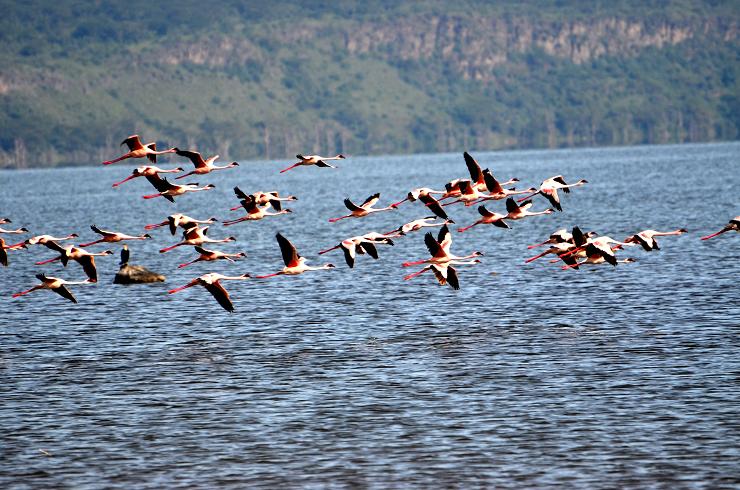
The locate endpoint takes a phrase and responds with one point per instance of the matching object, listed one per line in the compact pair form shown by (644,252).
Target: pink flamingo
(294,263)
(137,150)
(646,238)
(487,217)
(54,284)
(549,189)
(112,236)
(196,236)
(212,284)
(733,225)
(201,166)
(210,255)
(317,160)
(363,209)
(147,171)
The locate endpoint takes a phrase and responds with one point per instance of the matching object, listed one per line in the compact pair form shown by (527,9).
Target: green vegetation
(270,79)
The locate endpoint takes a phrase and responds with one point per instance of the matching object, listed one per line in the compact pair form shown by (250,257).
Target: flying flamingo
(444,272)
(210,255)
(4,221)
(201,166)
(180,220)
(496,190)
(416,194)
(54,284)
(363,244)
(4,248)
(439,249)
(516,211)
(477,176)
(317,160)
(83,257)
(418,224)
(47,239)
(733,225)
(646,238)
(169,190)
(196,235)
(469,194)
(363,209)
(559,236)
(212,284)
(17,231)
(261,198)
(597,258)
(294,263)
(600,245)
(137,150)
(112,237)
(147,171)
(488,217)
(549,189)
(254,212)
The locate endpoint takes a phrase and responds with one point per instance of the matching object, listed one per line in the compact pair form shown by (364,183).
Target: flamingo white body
(176,220)
(418,224)
(515,211)
(170,190)
(47,239)
(212,284)
(294,263)
(362,244)
(147,171)
(363,209)
(254,212)
(205,255)
(138,150)
(83,257)
(646,238)
(54,284)
(733,225)
(113,236)
(416,194)
(439,249)
(444,272)
(17,231)
(496,191)
(487,218)
(316,160)
(202,166)
(195,235)
(272,198)
(549,189)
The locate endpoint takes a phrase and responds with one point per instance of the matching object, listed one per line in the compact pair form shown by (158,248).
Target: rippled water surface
(529,376)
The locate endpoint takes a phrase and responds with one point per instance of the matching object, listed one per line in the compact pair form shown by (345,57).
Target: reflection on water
(528,376)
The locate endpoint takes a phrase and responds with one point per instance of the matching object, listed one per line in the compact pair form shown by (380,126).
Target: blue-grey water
(528,377)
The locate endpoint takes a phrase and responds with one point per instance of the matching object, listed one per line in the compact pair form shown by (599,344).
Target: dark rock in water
(136,274)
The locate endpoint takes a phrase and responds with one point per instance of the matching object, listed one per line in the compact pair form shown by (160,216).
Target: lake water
(529,376)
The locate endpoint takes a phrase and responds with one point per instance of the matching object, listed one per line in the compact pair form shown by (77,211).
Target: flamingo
(488,217)
(254,212)
(364,209)
(469,194)
(147,171)
(439,249)
(4,221)
(434,206)
(47,239)
(210,255)
(17,231)
(294,263)
(559,236)
(477,176)
(196,235)
(418,224)
(137,150)
(549,189)
(273,198)
(416,194)
(496,190)
(169,190)
(112,237)
(561,242)
(83,257)
(54,284)
(317,160)
(646,238)
(212,284)
(4,248)
(360,245)
(180,220)
(599,245)
(733,225)
(597,259)
(201,166)
(444,272)
(516,211)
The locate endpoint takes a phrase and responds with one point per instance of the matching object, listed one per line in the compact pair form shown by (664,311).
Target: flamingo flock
(573,248)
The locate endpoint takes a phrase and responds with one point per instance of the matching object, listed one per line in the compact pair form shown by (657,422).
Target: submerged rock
(134,274)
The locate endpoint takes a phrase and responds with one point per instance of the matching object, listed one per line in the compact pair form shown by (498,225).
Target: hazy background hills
(268,79)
